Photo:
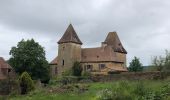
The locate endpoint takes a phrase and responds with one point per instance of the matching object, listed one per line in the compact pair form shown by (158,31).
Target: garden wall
(128,76)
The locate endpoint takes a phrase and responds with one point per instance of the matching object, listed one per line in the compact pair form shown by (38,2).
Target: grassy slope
(125,87)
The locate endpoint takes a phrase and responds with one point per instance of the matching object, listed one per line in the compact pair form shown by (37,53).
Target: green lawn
(121,90)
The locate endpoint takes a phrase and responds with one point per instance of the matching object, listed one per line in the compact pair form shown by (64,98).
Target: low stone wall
(128,76)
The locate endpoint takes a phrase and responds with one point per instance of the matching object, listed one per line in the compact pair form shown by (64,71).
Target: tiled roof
(70,36)
(99,54)
(113,40)
(4,64)
(54,61)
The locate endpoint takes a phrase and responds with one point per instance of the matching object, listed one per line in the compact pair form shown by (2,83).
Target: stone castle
(109,57)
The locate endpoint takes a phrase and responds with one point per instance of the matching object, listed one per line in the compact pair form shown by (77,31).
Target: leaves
(30,56)
(135,65)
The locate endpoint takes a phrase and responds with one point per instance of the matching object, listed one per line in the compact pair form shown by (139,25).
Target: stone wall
(127,76)
(108,67)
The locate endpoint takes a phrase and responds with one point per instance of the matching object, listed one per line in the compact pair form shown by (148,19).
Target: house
(109,57)
(5,69)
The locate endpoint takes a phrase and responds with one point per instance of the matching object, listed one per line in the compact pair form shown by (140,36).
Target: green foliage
(26,83)
(135,65)
(158,62)
(67,72)
(120,90)
(105,94)
(139,89)
(30,56)
(77,69)
(86,74)
(162,63)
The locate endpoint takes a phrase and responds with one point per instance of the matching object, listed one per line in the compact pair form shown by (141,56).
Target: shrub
(4,87)
(114,72)
(26,83)
(67,73)
(77,69)
(86,74)
(105,94)
(140,89)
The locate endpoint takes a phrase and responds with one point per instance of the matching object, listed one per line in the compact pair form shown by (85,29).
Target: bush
(86,74)
(77,69)
(67,73)
(68,80)
(26,83)
(105,94)
(114,72)
(4,87)
(140,89)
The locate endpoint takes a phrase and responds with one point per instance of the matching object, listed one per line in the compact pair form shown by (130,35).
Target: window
(102,66)
(88,67)
(63,62)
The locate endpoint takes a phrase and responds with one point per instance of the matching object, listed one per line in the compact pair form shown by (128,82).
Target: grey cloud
(143,26)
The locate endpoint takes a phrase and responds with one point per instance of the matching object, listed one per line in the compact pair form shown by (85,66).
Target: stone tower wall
(121,57)
(68,53)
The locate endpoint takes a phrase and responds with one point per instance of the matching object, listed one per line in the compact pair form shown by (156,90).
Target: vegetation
(26,83)
(77,69)
(162,64)
(119,90)
(135,65)
(30,56)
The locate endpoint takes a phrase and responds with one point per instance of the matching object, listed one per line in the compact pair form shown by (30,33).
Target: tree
(162,64)
(158,63)
(26,83)
(167,60)
(29,56)
(135,65)
(77,69)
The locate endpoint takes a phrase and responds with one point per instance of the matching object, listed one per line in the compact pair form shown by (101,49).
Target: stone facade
(111,56)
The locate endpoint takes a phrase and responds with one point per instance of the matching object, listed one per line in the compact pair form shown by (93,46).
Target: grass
(134,90)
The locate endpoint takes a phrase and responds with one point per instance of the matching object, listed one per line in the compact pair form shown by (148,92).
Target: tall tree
(135,65)
(29,56)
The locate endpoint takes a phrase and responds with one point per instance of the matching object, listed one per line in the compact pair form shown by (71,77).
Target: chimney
(104,44)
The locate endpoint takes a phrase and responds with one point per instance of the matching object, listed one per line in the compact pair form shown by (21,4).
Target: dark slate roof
(70,36)
(113,40)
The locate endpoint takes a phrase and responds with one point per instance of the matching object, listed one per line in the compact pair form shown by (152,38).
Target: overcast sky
(143,26)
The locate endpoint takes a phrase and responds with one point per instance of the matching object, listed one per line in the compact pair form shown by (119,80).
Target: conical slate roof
(70,36)
(113,40)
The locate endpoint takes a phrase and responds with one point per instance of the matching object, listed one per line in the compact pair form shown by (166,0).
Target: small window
(89,67)
(102,66)
(63,63)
